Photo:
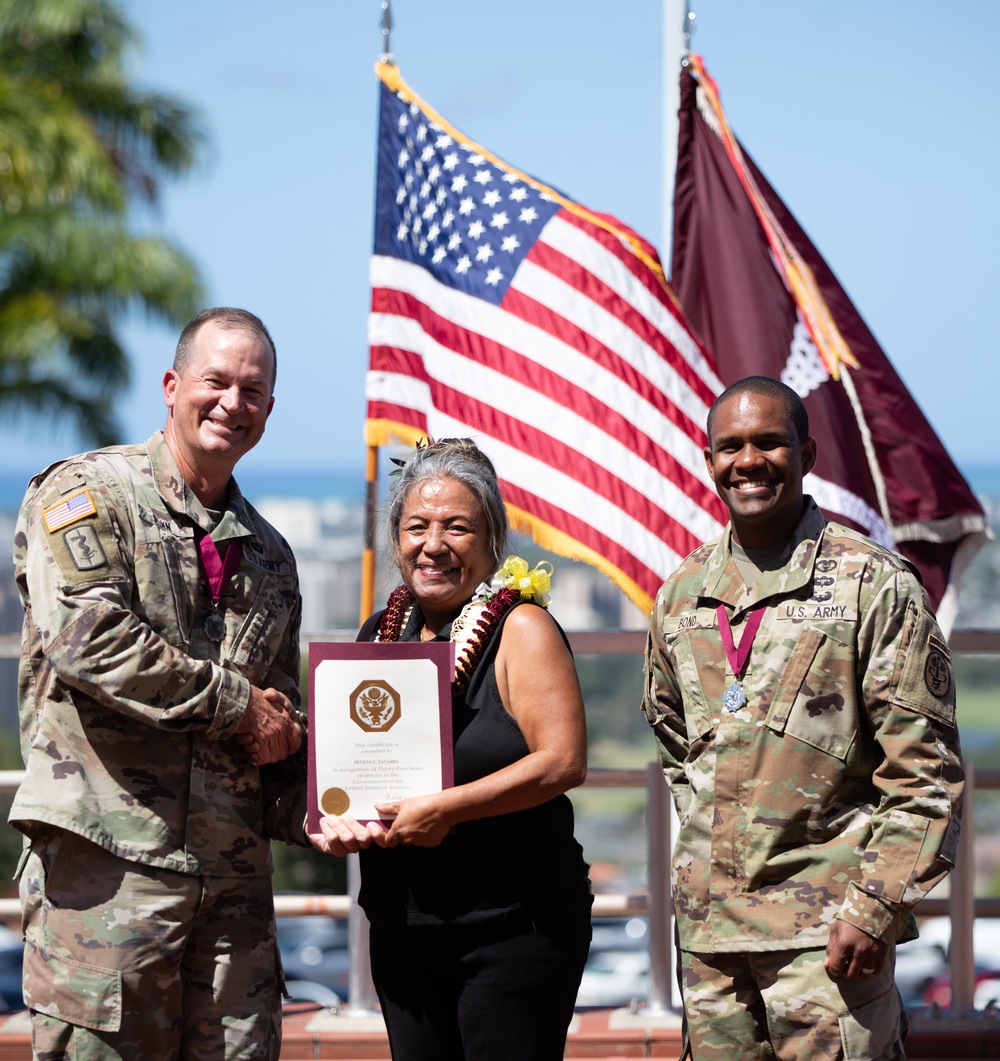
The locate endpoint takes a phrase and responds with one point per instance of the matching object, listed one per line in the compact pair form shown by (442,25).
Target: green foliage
(297,869)
(617,732)
(977,673)
(10,839)
(79,148)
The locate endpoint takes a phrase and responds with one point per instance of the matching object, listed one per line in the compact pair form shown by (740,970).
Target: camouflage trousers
(124,960)
(784,1006)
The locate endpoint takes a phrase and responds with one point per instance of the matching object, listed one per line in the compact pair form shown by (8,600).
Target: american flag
(505,311)
(69,511)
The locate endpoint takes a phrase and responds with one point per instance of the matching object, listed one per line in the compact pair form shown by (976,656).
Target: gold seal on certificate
(379,725)
(335,801)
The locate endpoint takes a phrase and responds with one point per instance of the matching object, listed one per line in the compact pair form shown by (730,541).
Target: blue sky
(873,121)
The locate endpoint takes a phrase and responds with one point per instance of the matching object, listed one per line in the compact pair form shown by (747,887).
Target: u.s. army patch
(69,510)
(85,548)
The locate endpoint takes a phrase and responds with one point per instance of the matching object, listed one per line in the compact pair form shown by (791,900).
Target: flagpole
(368,553)
(678,24)
(371,466)
(386,27)
(663,823)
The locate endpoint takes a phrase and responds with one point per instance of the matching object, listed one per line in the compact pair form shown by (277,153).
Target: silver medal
(734,698)
(215,627)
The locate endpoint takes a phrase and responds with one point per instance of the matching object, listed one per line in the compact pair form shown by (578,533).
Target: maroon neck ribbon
(218,570)
(737,657)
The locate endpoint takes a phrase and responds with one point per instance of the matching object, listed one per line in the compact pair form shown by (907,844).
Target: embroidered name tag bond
(77,506)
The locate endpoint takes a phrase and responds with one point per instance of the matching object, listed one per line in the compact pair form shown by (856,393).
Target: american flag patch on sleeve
(75,507)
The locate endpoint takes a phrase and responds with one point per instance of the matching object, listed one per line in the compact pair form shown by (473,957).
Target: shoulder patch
(69,510)
(937,674)
(85,548)
(77,535)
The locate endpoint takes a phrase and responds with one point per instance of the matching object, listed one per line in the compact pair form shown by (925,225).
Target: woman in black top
(478,896)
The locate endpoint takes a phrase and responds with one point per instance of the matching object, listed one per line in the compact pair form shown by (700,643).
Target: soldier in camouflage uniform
(814,763)
(158,692)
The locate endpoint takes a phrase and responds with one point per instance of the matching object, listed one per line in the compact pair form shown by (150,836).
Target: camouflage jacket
(834,791)
(127,709)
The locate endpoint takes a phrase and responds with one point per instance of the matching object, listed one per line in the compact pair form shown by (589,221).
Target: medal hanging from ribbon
(735,696)
(219,571)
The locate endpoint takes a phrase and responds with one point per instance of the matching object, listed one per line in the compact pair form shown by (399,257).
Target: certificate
(379,725)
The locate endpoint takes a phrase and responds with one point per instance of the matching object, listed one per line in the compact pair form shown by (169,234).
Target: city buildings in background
(327,537)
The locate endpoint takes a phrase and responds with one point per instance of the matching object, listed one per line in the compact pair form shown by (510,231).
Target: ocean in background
(316,484)
(348,484)
(984,478)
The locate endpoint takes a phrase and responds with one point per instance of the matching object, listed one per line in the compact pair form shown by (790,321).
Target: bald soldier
(158,693)
(803,702)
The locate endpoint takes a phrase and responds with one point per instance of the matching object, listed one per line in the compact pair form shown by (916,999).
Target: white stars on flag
(455,209)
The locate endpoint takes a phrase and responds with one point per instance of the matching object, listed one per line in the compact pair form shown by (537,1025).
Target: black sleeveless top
(488,867)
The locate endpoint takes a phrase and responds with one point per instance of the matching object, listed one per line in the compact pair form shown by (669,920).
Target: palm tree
(79,147)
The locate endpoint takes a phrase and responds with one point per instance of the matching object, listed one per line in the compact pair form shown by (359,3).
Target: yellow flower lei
(532,585)
(474,625)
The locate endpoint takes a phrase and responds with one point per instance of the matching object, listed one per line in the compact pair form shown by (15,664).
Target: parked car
(619,933)
(919,963)
(987,991)
(922,972)
(618,967)
(314,951)
(612,978)
(938,991)
(11,953)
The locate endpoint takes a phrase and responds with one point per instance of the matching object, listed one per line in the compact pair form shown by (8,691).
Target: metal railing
(655,904)
(961,905)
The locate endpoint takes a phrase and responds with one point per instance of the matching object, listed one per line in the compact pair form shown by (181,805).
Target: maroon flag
(765,303)
(504,310)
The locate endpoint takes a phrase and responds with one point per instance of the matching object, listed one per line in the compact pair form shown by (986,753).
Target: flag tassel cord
(866,437)
(803,288)
(797,275)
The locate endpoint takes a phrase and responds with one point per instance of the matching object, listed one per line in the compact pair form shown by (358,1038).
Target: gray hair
(230,318)
(462,460)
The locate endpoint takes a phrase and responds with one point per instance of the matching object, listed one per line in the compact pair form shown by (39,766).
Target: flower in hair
(422,443)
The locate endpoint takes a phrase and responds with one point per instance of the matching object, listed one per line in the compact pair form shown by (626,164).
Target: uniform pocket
(814,699)
(84,995)
(874,1031)
(926,683)
(703,685)
(258,643)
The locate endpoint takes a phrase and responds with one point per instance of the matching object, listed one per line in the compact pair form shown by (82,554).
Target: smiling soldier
(158,678)
(803,702)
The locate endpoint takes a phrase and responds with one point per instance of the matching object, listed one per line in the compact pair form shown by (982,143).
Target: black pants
(492,991)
